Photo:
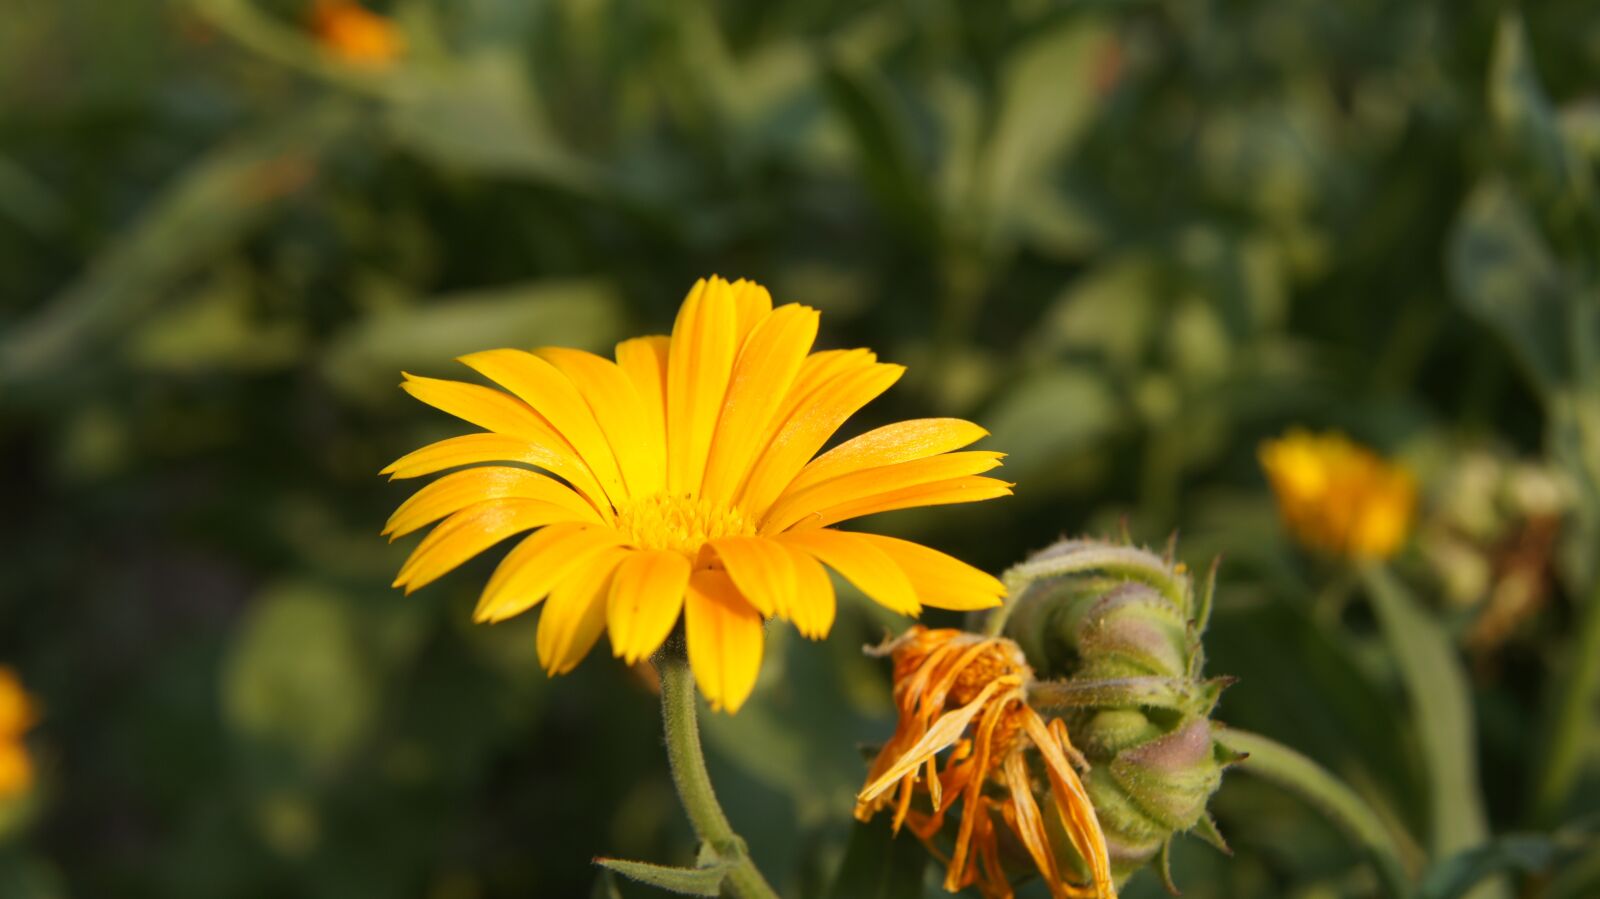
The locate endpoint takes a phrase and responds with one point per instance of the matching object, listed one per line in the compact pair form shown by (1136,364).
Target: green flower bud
(1117,628)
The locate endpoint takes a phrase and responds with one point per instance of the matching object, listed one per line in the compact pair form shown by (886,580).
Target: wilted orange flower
(687,485)
(968,694)
(16,716)
(355,34)
(1338,497)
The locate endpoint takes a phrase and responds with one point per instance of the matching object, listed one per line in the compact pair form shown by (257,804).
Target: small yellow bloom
(969,694)
(681,483)
(356,34)
(1338,497)
(16,716)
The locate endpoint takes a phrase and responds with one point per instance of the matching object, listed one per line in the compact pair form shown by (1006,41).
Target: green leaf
(297,677)
(1528,123)
(703,881)
(879,864)
(1440,700)
(480,115)
(883,150)
(367,359)
(1050,417)
(1505,275)
(1519,853)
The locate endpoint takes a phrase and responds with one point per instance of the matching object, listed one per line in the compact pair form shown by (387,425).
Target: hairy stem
(689,775)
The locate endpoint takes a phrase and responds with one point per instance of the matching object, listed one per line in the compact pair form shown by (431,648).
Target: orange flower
(16,716)
(968,694)
(355,34)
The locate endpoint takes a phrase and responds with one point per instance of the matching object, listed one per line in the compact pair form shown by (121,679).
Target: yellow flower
(16,716)
(687,488)
(1338,497)
(969,694)
(355,34)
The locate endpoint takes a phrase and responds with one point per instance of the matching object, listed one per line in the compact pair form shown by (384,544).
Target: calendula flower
(1338,497)
(965,697)
(355,34)
(678,481)
(16,717)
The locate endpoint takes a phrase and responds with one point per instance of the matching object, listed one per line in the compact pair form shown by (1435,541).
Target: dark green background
(1131,238)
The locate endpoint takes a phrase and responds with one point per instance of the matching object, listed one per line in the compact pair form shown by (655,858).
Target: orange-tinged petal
(941,735)
(454,492)
(939,493)
(699,363)
(620,412)
(766,369)
(1028,823)
(867,484)
(534,566)
(902,441)
(809,426)
(16,769)
(761,569)
(861,563)
(644,361)
(1072,802)
(471,531)
(575,614)
(814,602)
(725,639)
(553,395)
(941,581)
(646,597)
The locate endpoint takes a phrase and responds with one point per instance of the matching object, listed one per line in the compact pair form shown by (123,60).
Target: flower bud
(1119,628)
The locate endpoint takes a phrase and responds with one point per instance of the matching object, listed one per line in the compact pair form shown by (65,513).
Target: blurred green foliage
(1132,238)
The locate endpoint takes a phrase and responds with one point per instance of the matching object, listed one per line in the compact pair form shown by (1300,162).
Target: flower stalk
(680,720)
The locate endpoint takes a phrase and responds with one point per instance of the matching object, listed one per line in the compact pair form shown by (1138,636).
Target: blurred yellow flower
(687,486)
(16,716)
(969,694)
(355,34)
(1338,497)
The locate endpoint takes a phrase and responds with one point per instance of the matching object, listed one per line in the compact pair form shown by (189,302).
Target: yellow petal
(941,581)
(751,303)
(553,455)
(553,395)
(814,603)
(534,566)
(861,563)
(471,531)
(699,363)
(760,569)
(868,484)
(725,639)
(646,597)
(767,366)
(454,492)
(813,421)
(575,614)
(620,412)
(902,441)
(644,361)
(483,406)
(939,493)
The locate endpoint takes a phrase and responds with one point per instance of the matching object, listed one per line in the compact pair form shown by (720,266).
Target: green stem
(1564,751)
(1273,761)
(1440,700)
(689,775)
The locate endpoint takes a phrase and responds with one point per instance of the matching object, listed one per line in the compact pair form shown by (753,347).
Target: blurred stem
(1564,751)
(1273,761)
(1440,699)
(680,719)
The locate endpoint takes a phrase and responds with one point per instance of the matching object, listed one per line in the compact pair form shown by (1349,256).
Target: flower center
(680,523)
